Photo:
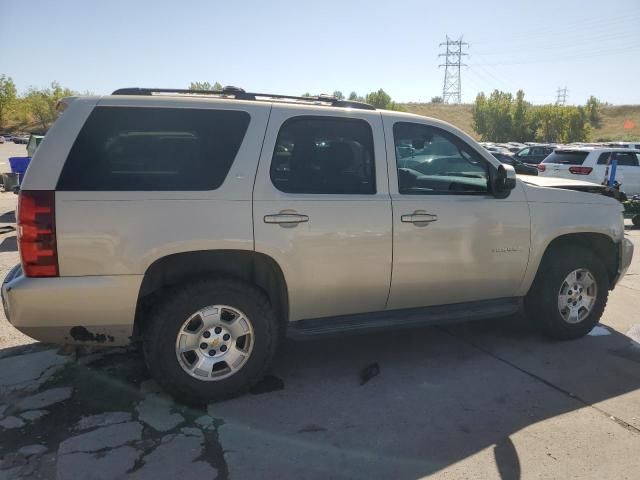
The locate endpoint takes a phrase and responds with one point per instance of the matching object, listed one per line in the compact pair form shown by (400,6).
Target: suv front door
(453,241)
(322,211)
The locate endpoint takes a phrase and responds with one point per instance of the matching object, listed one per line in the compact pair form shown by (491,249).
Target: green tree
(42,103)
(550,124)
(205,86)
(8,96)
(437,100)
(492,116)
(520,119)
(577,127)
(338,94)
(353,96)
(593,110)
(379,99)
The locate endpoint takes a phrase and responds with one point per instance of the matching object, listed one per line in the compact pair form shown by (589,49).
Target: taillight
(37,233)
(580,170)
(541,167)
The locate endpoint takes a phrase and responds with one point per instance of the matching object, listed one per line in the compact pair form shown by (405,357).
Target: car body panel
(339,262)
(49,308)
(447,261)
(123,232)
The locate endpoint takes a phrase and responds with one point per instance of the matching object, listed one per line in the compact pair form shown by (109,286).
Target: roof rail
(240,94)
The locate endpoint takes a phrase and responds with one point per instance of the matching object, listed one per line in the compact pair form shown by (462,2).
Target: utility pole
(452,88)
(561,99)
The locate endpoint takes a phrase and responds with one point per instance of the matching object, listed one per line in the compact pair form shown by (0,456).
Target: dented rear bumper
(91,310)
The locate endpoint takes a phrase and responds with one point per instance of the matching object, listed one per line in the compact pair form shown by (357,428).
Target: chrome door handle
(286,218)
(418,217)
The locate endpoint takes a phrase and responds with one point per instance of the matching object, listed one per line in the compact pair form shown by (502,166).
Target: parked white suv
(208,226)
(594,165)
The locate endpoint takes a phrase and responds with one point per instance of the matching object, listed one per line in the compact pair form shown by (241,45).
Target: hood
(564,183)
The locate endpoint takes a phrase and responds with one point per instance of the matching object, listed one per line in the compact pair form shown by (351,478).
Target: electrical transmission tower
(561,99)
(452,89)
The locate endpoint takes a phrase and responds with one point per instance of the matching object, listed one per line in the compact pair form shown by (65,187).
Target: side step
(405,318)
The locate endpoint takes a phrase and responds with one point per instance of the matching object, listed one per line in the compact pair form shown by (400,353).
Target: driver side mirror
(504,180)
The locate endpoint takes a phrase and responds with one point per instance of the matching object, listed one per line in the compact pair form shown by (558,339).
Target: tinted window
(624,159)
(432,161)
(324,155)
(627,159)
(524,152)
(566,157)
(604,159)
(154,149)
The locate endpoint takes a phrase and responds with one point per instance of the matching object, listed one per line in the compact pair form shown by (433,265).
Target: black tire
(636,221)
(168,316)
(541,303)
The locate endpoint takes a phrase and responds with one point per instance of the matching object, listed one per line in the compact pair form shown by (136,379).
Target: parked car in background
(534,154)
(632,145)
(510,148)
(520,168)
(2,139)
(591,164)
(497,149)
(21,139)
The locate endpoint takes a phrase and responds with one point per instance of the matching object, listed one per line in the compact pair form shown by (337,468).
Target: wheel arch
(602,245)
(245,265)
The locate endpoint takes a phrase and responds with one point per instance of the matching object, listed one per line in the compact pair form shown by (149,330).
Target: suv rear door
(322,209)
(453,241)
(629,172)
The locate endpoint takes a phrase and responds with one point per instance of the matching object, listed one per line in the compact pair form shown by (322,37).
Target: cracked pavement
(488,399)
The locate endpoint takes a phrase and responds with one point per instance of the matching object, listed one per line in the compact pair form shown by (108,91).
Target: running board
(405,318)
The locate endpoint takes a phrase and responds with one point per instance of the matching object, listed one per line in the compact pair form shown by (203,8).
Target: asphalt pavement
(484,400)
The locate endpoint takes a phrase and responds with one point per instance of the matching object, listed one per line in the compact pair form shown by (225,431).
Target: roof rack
(240,94)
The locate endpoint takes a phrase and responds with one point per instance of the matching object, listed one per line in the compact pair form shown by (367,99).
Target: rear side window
(154,149)
(624,159)
(324,155)
(566,157)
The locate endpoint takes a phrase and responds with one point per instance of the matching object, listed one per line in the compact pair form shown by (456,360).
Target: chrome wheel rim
(577,295)
(214,343)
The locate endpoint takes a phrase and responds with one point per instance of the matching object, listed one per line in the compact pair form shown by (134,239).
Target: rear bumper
(97,310)
(625,254)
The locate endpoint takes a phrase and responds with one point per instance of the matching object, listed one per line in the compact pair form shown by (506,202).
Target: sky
(291,47)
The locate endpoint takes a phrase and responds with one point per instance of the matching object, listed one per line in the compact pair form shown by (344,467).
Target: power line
(561,99)
(452,87)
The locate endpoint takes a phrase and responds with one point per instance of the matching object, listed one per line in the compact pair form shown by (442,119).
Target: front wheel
(210,339)
(569,293)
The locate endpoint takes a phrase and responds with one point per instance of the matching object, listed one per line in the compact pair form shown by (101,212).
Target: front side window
(153,149)
(324,155)
(432,161)
(524,153)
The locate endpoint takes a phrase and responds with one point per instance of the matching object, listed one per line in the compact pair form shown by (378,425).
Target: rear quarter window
(153,149)
(566,158)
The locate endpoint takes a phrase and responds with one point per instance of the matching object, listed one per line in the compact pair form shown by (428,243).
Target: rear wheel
(210,340)
(569,294)
(636,221)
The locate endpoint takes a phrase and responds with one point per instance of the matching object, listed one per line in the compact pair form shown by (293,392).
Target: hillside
(611,129)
